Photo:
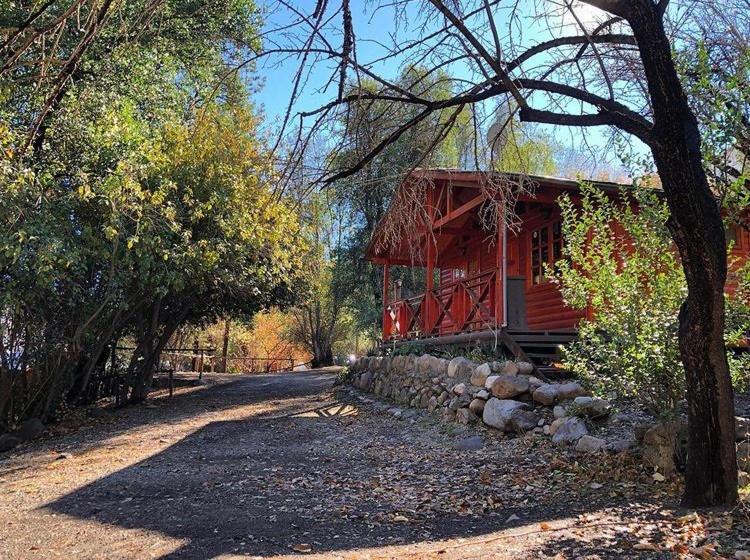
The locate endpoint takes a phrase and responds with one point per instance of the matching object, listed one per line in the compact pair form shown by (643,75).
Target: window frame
(545,247)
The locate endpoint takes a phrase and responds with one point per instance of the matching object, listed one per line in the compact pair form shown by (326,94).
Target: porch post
(386,290)
(500,296)
(430,284)
(429,239)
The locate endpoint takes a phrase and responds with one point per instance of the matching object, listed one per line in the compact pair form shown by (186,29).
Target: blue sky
(373,27)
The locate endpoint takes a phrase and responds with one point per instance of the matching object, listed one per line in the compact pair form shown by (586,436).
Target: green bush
(621,263)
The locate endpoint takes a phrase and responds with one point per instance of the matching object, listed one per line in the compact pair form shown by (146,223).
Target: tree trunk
(698,231)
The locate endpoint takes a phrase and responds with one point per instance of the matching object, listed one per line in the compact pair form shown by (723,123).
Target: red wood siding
(545,309)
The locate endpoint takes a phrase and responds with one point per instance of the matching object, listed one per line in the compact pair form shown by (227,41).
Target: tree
(136,195)
(618,63)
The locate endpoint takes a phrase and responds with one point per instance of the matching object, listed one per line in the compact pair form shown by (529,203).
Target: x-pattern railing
(466,304)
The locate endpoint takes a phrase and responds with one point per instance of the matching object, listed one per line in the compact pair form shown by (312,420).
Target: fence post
(200,371)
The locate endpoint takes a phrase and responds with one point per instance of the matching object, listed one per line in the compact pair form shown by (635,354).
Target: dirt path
(257,466)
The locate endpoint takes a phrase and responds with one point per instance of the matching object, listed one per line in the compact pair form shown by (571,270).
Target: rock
(556,425)
(473,443)
(449,415)
(592,407)
(590,444)
(365,380)
(424,362)
(664,446)
(559,411)
(444,396)
(9,441)
(454,404)
(522,421)
(512,518)
(742,428)
(497,412)
(569,390)
(477,406)
(432,404)
(490,380)
(509,368)
(535,383)
(545,429)
(525,368)
(480,375)
(546,394)
(465,416)
(570,431)
(743,456)
(619,445)
(483,394)
(460,367)
(459,389)
(508,386)
(424,400)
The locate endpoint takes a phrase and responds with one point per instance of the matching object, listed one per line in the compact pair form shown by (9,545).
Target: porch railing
(463,305)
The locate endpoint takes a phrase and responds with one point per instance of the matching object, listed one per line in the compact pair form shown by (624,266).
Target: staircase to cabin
(543,348)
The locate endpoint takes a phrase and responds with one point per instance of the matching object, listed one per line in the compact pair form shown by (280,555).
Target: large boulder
(592,407)
(522,420)
(490,380)
(497,412)
(480,375)
(664,446)
(546,394)
(508,386)
(570,430)
(460,367)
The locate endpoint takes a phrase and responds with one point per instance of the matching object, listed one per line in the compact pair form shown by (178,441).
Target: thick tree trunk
(698,231)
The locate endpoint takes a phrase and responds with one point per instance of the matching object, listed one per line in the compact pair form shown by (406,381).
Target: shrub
(620,261)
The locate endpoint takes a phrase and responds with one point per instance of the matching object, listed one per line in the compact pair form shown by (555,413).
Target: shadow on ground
(260,485)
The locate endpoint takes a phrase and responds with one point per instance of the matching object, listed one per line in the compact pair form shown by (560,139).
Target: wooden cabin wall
(545,309)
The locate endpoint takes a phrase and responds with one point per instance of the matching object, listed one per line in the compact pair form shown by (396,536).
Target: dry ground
(285,465)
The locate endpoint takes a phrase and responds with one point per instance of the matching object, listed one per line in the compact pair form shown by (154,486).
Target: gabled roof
(554,186)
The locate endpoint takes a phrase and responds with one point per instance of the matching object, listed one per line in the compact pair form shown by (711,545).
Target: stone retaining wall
(503,395)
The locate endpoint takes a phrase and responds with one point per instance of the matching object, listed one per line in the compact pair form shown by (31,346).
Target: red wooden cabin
(479,284)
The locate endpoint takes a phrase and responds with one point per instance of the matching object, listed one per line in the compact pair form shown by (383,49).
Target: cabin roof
(544,185)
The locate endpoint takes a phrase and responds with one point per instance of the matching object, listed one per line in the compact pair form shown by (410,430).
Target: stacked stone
(504,395)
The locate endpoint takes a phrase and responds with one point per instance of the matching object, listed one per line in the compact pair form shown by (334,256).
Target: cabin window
(546,249)
(458,273)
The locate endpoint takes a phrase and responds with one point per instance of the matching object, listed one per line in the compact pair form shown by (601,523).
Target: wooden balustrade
(463,305)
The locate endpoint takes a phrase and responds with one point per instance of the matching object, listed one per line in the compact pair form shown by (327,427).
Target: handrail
(448,286)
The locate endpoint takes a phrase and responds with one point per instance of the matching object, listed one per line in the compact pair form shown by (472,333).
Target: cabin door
(517,302)
(516,285)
